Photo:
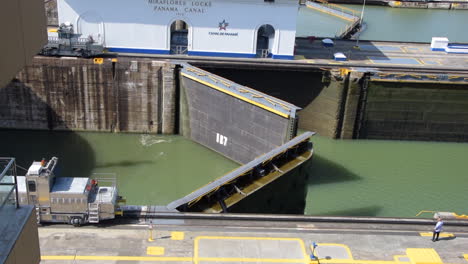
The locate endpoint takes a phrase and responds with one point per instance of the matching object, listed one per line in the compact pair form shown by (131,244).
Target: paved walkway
(207,242)
(374,53)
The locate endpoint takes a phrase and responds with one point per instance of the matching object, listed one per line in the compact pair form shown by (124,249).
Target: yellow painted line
(466,256)
(348,250)
(117,258)
(57,257)
(236,96)
(423,255)
(419,61)
(177,235)
(157,251)
(429,234)
(355,261)
(262,260)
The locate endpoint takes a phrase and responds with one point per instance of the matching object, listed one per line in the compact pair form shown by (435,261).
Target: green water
(390,24)
(346,177)
(151,169)
(387,178)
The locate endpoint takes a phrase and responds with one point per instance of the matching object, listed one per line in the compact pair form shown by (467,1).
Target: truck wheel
(76,221)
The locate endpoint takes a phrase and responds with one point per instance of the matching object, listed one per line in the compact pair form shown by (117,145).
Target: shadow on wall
(295,87)
(286,195)
(21,108)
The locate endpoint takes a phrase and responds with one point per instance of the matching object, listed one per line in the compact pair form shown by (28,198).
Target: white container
(328,42)
(339,56)
(439,43)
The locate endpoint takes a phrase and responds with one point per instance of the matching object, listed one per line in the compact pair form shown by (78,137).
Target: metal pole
(360,23)
(16,183)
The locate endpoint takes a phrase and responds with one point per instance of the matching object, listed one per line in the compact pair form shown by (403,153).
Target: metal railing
(179,49)
(263,53)
(8,183)
(105,180)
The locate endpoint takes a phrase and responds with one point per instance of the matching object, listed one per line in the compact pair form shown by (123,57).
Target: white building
(229,28)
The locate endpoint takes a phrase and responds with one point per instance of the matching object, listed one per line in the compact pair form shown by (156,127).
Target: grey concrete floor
(218,241)
(375,53)
(370,54)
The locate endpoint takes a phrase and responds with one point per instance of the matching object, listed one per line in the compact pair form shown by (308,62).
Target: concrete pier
(225,240)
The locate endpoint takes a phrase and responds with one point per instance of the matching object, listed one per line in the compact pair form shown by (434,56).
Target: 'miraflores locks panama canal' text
(180,6)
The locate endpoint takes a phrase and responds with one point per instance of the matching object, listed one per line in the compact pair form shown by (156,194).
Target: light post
(360,24)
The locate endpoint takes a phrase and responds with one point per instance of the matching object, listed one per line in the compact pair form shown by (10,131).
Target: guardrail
(342,12)
(8,182)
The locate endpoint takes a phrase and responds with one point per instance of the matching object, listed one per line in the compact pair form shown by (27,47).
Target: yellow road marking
(354,261)
(157,251)
(465,256)
(429,234)
(419,61)
(177,235)
(348,250)
(57,257)
(117,258)
(236,95)
(423,255)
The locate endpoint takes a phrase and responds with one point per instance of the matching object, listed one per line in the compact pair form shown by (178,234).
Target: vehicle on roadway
(67,43)
(72,200)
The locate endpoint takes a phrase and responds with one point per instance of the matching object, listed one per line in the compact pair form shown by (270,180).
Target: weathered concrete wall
(323,114)
(416,111)
(76,94)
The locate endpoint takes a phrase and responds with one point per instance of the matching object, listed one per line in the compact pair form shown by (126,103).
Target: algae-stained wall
(77,94)
(416,111)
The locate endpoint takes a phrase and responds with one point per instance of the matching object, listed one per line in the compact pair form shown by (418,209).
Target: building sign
(223,25)
(180,7)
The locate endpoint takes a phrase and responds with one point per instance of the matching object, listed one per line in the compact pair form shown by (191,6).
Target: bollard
(150,239)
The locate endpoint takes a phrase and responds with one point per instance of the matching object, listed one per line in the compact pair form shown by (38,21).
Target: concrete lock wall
(231,126)
(333,111)
(77,94)
(412,111)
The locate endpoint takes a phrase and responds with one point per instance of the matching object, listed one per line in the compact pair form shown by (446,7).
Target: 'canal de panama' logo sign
(223,25)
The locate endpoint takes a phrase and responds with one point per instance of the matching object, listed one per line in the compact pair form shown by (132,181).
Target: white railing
(179,49)
(263,53)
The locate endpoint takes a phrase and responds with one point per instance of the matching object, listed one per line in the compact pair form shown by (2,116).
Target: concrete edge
(303,218)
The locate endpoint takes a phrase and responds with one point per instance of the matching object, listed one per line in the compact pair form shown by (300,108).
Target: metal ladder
(93,210)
